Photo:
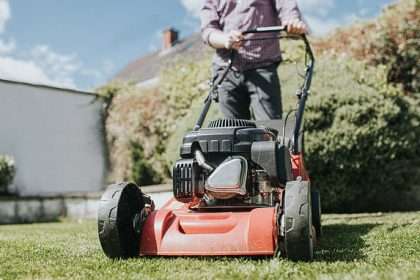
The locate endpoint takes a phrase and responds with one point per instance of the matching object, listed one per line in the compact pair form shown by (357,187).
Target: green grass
(368,246)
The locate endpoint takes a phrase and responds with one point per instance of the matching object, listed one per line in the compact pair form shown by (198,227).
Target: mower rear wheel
(118,219)
(298,230)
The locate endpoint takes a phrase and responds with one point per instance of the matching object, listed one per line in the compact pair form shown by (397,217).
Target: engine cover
(231,160)
(225,136)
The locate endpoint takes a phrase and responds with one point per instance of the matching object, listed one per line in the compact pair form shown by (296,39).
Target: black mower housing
(227,138)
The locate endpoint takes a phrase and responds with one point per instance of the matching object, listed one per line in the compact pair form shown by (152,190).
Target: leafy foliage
(7,172)
(137,130)
(393,41)
(184,82)
(362,146)
(142,173)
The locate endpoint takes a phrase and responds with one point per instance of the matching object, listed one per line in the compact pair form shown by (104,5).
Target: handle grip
(266,29)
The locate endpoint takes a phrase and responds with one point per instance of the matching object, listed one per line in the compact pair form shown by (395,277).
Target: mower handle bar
(302,93)
(266,29)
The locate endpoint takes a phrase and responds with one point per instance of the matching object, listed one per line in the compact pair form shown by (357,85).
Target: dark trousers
(254,92)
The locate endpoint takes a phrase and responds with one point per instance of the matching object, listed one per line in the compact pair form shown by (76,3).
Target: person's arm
(211,31)
(290,16)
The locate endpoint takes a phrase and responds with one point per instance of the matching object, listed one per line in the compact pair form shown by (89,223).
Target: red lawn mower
(240,189)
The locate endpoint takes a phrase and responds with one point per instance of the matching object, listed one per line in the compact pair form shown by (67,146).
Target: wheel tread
(298,221)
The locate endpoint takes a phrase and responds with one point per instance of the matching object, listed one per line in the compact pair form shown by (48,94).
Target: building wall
(56,138)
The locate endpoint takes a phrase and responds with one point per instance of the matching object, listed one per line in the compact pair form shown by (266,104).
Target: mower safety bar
(213,94)
(303,94)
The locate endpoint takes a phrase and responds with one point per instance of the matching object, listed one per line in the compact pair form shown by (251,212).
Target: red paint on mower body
(177,230)
(298,168)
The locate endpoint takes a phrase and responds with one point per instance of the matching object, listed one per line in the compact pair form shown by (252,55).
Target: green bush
(137,130)
(7,173)
(392,40)
(142,173)
(140,123)
(396,44)
(183,83)
(362,145)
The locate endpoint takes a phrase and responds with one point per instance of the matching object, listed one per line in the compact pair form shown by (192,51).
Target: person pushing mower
(240,187)
(253,81)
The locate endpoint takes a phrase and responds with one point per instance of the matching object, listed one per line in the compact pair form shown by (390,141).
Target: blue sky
(83,43)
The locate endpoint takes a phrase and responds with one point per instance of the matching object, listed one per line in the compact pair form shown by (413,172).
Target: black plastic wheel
(316,212)
(119,206)
(298,237)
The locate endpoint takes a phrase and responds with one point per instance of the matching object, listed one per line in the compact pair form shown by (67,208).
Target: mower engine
(231,164)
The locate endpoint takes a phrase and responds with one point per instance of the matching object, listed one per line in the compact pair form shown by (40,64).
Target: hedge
(7,173)
(362,147)
(392,40)
(137,129)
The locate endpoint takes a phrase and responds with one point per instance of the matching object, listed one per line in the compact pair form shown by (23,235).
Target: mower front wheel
(298,230)
(122,209)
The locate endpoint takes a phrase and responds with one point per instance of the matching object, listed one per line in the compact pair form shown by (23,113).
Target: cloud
(22,70)
(317,7)
(98,75)
(317,14)
(193,6)
(7,46)
(323,16)
(60,68)
(41,65)
(321,26)
(5,14)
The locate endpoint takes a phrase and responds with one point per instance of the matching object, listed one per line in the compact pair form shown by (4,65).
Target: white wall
(55,136)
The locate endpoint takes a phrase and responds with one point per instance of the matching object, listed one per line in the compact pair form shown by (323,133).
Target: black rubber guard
(117,209)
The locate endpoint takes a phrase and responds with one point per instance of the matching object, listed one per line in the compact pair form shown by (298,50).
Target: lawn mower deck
(175,230)
(240,189)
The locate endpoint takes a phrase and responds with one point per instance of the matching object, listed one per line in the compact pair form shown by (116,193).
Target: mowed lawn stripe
(358,246)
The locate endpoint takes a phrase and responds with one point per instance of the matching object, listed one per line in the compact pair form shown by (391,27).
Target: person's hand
(296,26)
(233,40)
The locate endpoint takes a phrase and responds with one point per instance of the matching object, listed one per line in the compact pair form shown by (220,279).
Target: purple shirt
(242,15)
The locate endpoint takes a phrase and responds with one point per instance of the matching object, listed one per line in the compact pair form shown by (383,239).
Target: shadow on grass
(340,242)
(343,242)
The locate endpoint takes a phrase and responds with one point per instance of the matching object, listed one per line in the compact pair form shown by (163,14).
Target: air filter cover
(231,123)
(229,179)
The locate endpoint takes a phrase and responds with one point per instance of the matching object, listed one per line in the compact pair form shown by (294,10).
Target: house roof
(148,67)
